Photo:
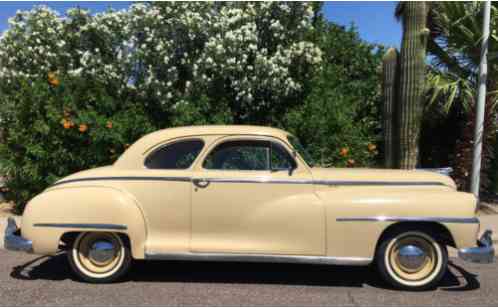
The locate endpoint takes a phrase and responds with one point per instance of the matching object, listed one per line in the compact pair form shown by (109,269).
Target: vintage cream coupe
(248,193)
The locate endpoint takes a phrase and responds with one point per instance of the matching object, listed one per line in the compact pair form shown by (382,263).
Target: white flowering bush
(76,88)
(251,54)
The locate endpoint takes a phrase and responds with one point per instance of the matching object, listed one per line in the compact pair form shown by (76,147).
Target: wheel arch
(440,232)
(67,238)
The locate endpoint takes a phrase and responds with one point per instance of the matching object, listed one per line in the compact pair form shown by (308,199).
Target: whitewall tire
(99,257)
(412,260)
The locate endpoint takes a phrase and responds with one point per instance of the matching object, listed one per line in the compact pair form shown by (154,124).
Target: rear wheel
(412,260)
(99,257)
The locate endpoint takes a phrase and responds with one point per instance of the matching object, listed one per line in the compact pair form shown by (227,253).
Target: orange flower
(67,123)
(109,124)
(351,162)
(344,152)
(52,79)
(372,147)
(83,128)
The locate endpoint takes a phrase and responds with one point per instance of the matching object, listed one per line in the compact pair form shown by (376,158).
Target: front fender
(82,208)
(357,217)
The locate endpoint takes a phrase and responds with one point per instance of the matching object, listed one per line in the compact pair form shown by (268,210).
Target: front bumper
(13,240)
(483,253)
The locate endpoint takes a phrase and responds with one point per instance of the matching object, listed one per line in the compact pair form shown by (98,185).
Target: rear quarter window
(178,155)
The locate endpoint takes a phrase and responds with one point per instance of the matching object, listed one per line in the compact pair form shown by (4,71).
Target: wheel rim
(413,259)
(98,255)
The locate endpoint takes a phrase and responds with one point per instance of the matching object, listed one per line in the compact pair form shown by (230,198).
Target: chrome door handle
(201,183)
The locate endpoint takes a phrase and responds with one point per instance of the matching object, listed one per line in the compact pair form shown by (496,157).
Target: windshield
(300,149)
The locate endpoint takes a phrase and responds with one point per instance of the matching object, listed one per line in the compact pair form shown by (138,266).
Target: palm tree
(454,46)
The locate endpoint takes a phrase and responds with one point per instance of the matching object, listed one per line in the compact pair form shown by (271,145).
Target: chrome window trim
(262,258)
(460,220)
(157,148)
(256,179)
(82,226)
(229,138)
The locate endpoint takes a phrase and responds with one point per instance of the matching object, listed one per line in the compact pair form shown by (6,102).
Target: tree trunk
(462,165)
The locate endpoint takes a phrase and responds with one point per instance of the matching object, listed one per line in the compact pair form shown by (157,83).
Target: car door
(165,193)
(251,195)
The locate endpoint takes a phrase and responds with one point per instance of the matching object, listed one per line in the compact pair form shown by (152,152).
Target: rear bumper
(484,252)
(13,241)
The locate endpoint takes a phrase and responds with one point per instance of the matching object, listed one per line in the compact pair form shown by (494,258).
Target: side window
(239,155)
(280,158)
(178,155)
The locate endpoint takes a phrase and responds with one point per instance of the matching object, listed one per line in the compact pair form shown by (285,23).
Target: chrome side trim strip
(82,226)
(259,258)
(459,220)
(255,180)
(127,178)
(261,180)
(377,183)
(319,182)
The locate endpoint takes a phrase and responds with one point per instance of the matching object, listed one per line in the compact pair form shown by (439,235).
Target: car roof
(185,131)
(133,154)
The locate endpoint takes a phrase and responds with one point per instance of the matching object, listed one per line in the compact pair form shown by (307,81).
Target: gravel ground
(46,281)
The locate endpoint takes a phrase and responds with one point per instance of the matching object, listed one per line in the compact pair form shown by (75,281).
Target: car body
(248,193)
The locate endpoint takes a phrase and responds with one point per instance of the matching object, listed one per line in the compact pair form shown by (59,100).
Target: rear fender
(81,209)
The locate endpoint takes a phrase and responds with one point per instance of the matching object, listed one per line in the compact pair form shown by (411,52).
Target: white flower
(155,48)
(76,72)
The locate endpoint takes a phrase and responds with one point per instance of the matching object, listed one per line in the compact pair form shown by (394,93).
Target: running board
(258,258)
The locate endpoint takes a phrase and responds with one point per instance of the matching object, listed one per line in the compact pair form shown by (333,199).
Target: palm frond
(446,88)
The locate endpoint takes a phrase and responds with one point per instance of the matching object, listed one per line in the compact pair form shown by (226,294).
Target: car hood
(380,175)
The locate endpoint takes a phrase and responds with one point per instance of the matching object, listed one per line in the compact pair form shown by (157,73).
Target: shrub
(52,130)
(75,90)
(251,56)
(339,121)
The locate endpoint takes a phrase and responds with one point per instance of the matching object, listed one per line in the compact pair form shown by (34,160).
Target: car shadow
(57,268)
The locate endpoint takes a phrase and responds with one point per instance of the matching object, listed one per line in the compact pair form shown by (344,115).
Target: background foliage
(455,48)
(339,121)
(76,90)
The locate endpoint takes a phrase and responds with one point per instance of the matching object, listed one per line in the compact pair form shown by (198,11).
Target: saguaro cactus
(389,86)
(411,78)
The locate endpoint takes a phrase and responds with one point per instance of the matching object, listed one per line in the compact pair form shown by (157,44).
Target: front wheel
(412,260)
(99,257)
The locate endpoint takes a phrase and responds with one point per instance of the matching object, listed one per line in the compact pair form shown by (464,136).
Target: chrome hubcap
(412,257)
(102,252)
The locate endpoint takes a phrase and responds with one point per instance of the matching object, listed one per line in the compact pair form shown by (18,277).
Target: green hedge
(52,131)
